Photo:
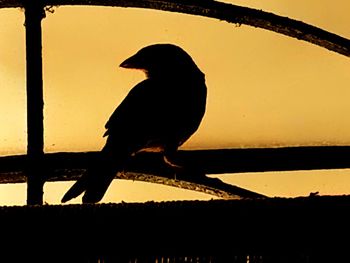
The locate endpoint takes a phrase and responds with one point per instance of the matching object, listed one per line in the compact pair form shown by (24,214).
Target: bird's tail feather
(99,184)
(94,182)
(78,188)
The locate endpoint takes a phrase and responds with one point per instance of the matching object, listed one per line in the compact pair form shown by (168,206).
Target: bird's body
(159,114)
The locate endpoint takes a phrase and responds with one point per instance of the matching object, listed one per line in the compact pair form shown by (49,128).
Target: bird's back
(158,112)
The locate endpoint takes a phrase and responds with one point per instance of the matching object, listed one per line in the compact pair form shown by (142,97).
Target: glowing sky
(264,89)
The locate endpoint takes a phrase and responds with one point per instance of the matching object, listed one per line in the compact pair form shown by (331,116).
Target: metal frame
(35,162)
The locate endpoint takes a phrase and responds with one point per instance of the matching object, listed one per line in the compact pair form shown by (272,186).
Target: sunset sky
(264,89)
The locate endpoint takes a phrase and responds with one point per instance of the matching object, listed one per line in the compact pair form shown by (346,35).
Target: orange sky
(264,89)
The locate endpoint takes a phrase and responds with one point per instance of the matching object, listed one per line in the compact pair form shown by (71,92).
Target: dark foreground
(310,229)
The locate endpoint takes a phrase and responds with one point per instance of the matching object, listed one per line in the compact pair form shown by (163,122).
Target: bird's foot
(171,163)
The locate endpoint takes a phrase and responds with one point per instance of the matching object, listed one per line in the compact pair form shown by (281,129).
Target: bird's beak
(132,62)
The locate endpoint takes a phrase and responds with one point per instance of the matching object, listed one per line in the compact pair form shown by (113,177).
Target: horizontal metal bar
(68,166)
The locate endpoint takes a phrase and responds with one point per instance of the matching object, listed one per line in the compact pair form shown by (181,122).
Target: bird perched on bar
(159,114)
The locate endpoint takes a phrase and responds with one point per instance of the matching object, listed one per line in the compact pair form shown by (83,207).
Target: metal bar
(34,13)
(232,14)
(222,11)
(69,166)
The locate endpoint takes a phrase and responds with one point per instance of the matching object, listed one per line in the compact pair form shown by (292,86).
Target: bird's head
(162,60)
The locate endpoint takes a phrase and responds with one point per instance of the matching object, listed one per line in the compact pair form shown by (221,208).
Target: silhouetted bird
(159,114)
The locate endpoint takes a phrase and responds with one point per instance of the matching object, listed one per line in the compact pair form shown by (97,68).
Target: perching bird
(159,114)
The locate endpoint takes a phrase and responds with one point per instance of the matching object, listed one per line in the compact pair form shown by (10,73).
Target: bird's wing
(140,118)
(128,129)
(157,111)
(129,108)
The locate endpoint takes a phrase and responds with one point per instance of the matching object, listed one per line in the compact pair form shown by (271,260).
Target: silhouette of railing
(202,227)
(38,167)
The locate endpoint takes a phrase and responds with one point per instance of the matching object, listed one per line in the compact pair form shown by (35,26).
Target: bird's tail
(94,182)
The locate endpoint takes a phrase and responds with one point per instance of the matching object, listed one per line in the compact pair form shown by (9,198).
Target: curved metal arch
(218,10)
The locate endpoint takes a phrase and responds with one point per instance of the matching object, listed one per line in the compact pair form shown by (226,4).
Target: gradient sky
(264,89)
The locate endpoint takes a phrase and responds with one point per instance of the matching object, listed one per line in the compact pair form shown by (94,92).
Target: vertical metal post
(34,13)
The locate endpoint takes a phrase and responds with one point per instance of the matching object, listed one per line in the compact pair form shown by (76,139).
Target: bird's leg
(168,158)
(170,162)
